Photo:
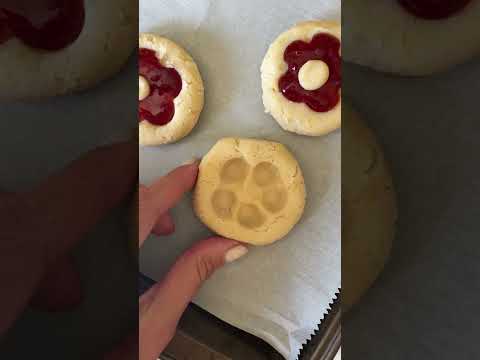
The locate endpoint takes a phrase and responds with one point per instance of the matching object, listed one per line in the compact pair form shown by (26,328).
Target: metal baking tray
(202,336)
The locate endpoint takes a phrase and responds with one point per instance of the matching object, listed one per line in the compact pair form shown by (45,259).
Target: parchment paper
(280,292)
(423,304)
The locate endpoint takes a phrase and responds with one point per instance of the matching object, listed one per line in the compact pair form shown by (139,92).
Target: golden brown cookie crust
(296,117)
(188,104)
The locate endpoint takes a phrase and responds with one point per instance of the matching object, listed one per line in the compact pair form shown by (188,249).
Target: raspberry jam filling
(323,47)
(165,85)
(434,9)
(42,24)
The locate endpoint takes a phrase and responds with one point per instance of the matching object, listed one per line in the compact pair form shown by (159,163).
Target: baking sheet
(279,292)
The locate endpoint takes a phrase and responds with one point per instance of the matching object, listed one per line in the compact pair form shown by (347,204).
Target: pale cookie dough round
(298,117)
(368,208)
(103,47)
(249,190)
(188,104)
(401,43)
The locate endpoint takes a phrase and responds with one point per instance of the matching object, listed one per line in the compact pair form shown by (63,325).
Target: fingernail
(235,253)
(190,162)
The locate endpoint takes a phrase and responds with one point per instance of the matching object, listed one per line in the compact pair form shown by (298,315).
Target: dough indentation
(223,202)
(265,174)
(275,199)
(234,171)
(250,216)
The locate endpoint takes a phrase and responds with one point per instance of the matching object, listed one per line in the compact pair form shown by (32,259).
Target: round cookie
(249,190)
(411,37)
(368,208)
(171,93)
(301,78)
(83,43)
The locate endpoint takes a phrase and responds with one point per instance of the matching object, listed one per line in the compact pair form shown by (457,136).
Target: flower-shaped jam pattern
(434,9)
(165,84)
(42,24)
(261,189)
(323,47)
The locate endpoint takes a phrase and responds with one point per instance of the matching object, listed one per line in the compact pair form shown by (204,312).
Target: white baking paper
(279,292)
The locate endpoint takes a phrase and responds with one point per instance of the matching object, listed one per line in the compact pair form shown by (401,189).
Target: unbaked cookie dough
(368,208)
(171,93)
(249,190)
(301,78)
(411,37)
(46,53)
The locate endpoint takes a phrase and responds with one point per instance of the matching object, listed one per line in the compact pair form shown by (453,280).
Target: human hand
(39,228)
(162,305)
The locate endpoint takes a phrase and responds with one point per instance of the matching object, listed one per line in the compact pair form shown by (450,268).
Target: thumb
(162,306)
(60,289)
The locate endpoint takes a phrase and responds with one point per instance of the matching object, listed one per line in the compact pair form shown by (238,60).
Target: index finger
(71,202)
(156,199)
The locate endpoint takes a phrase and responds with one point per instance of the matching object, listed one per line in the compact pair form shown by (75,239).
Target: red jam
(323,47)
(165,85)
(42,24)
(434,9)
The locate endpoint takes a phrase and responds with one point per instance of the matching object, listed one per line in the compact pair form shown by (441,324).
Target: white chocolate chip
(143,88)
(313,75)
